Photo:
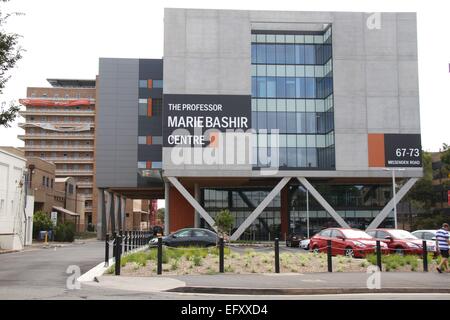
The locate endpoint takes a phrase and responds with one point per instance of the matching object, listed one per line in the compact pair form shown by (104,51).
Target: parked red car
(349,242)
(400,241)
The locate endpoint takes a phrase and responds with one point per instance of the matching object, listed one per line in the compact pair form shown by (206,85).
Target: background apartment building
(59,127)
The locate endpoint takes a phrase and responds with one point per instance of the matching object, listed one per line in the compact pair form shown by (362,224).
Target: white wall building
(16,208)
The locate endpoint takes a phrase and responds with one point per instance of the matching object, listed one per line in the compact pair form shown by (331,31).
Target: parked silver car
(429,235)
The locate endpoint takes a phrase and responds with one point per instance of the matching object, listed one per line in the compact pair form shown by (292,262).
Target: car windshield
(356,234)
(402,234)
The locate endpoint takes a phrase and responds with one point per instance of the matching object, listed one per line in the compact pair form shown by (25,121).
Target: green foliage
(160,214)
(394,261)
(10,53)
(41,222)
(224,221)
(197,261)
(65,232)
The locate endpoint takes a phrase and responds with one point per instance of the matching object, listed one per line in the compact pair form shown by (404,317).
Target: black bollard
(107,250)
(114,244)
(221,255)
(117,265)
(330,262)
(121,243)
(277,255)
(159,270)
(126,241)
(379,255)
(425,255)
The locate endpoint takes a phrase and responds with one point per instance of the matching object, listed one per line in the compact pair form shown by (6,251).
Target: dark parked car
(293,240)
(189,237)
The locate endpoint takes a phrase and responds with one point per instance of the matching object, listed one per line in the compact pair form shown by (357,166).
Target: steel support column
(390,206)
(259,209)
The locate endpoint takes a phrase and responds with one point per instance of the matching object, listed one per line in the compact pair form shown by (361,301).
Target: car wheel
(349,252)
(399,251)
(307,247)
(288,243)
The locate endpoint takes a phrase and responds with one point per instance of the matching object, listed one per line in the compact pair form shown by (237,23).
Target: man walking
(442,241)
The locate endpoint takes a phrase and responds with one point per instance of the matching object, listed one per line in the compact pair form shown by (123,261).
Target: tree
(10,53)
(41,222)
(160,214)
(224,222)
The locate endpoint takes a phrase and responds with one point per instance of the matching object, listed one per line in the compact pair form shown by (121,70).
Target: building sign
(54,217)
(186,117)
(394,150)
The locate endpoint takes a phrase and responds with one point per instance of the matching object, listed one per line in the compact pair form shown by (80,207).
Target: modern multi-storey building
(291,120)
(59,127)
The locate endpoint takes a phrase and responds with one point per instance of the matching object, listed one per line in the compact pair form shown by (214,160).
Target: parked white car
(429,235)
(304,244)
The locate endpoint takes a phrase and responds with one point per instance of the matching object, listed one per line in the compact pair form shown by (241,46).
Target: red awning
(54,103)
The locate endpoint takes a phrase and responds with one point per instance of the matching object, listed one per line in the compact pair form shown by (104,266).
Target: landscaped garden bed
(195,261)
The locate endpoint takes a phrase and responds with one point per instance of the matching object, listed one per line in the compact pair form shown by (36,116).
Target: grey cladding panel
(117,122)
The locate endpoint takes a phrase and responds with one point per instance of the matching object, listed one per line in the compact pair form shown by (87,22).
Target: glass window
(156,164)
(291,157)
(282,157)
(290,54)
(280,54)
(262,120)
(271,120)
(142,140)
(301,157)
(253,53)
(157,83)
(142,165)
(300,88)
(261,53)
(309,54)
(260,86)
(311,122)
(271,56)
(183,234)
(312,157)
(291,123)
(299,54)
(310,88)
(290,87)
(142,109)
(142,83)
(281,121)
(281,87)
(271,87)
(301,122)
(254,87)
(157,140)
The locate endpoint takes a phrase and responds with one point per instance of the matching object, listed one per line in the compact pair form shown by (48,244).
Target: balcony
(88,209)
(35,123)
(59,148)
(69,160)
(57,112)
(88,196)
(73,172)
(53,136)
(83,184)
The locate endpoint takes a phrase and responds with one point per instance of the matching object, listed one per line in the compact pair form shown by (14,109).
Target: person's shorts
(444,253)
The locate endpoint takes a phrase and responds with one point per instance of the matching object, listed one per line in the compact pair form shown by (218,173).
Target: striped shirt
(442,239)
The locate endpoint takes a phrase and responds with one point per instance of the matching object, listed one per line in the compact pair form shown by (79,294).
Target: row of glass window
(291,87)
(295,215)
(156,107)
(292,38)
(291,54)
(294,122)
(154,165)
(155,140)
(293,105)
(155,84)
(287,157)
(274,70)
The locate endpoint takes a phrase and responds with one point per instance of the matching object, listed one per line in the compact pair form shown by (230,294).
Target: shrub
(41,222)
(197,261)
(65,232)
(224,221)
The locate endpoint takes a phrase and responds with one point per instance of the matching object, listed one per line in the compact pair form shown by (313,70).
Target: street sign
(54,217)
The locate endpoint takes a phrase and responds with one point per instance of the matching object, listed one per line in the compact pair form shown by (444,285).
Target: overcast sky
(65,38)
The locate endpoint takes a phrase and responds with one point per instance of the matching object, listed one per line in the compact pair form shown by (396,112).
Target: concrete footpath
(281,284)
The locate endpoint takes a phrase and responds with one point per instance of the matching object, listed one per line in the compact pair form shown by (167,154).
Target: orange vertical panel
(149,140)
(150,83)
(149,165)
(376,150)
(149,107)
